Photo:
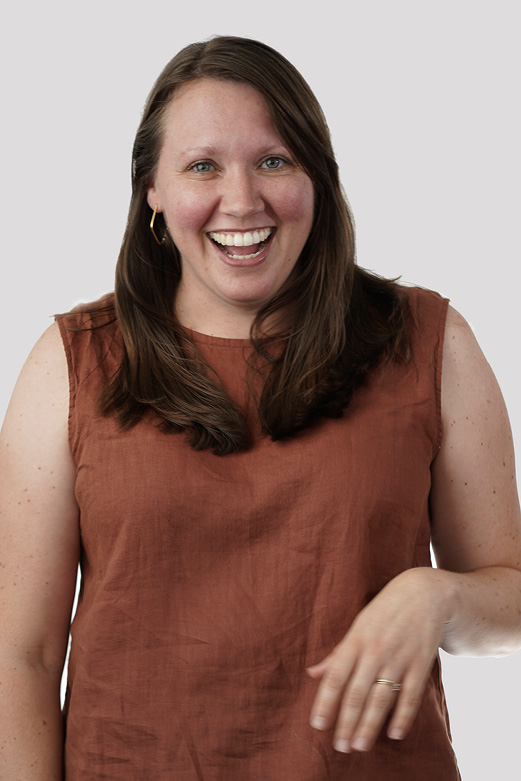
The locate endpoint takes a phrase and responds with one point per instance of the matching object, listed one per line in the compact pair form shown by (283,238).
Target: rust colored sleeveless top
(210,583)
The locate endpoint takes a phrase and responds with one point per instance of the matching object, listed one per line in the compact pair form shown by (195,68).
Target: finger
(380,701)
(407,707)
(354,705)
(317,670)
(331,689)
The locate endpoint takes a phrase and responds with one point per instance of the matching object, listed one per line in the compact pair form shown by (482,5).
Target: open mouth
(242,246)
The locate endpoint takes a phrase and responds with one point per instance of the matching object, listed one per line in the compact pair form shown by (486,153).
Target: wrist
(447,592)
(442,588)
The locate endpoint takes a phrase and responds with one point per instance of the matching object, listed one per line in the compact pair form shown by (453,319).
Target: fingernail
(395,734)
(361,744)
(343,745)
(318,722)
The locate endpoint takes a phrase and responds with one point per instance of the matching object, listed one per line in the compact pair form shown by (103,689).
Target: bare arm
(39,544)
(473,605)
(475,505)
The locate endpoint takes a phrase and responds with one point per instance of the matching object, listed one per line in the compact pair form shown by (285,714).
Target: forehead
(206,89)
(206,109)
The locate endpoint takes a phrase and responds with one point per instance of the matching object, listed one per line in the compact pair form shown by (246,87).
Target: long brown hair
(343,319)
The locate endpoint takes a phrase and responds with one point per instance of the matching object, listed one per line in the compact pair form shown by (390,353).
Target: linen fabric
(210,583)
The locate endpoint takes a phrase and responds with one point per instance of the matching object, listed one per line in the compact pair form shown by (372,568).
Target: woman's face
(236,204)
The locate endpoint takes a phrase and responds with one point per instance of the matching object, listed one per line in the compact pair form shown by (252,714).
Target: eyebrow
(211,150)
(199,150)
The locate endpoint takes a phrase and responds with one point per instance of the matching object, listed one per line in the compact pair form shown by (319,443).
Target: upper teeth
(241,239)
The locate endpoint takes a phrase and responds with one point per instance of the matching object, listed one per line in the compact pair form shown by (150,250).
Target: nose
(241,194)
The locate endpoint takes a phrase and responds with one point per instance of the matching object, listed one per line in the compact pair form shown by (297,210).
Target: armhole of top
(73,384)
(438,370)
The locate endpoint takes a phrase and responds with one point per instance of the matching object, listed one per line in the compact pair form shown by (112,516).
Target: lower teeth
(243,257)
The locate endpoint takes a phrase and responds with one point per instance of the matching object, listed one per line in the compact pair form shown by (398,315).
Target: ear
(153,199)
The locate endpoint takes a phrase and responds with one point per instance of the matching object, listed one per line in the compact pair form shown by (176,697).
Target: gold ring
(394,686)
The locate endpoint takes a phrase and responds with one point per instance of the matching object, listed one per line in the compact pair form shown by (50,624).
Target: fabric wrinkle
(210,584)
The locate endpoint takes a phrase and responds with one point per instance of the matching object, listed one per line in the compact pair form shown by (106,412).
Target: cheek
(187,212)
(296,203)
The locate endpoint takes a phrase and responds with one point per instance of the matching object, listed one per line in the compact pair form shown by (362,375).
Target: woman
(258,447)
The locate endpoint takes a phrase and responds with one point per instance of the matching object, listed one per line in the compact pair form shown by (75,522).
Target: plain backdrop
(422,100)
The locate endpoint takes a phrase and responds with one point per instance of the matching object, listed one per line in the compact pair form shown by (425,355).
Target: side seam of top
(428,313)
(65,334)
(87,346)
(438,369)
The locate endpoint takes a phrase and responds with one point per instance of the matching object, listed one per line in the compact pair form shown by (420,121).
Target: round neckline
(219,341)
(223,341)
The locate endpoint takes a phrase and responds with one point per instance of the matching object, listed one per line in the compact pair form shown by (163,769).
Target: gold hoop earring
(152,228)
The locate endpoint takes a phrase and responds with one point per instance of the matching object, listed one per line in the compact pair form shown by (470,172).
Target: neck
(226,322)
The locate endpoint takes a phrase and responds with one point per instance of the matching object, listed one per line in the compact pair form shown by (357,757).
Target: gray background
(423,104)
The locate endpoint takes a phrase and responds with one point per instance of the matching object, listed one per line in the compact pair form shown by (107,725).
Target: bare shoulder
(472,402)
(462,354)
(474,501)
(45,365)
(38,512)
(40,398)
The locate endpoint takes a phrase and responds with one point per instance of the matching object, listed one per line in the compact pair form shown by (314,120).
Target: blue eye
(273,163)
(201,168)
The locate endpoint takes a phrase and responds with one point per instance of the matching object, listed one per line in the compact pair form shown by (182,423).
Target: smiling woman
(249,447)
(271,168)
